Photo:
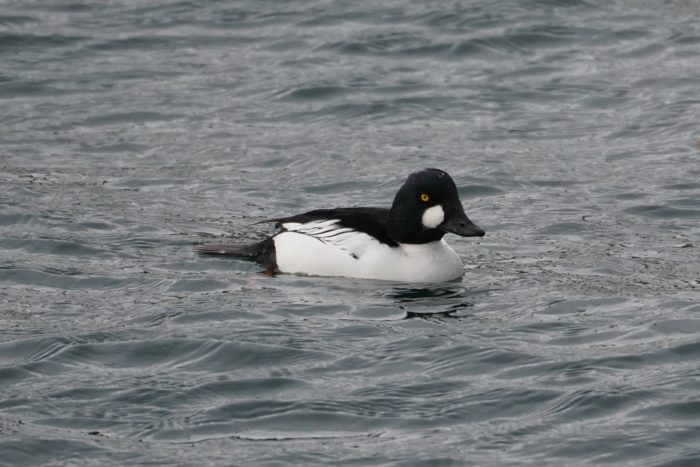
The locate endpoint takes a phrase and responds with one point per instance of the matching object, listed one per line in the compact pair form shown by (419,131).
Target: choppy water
(131,129)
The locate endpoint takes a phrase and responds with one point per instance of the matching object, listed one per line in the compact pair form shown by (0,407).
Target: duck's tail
(262,252)
(249,249)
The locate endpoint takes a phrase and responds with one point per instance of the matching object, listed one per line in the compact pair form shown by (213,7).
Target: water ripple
(133,130)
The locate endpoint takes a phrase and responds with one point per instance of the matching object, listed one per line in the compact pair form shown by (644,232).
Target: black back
(372,221)
(403,223)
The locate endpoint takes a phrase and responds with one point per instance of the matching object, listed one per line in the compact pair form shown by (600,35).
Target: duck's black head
(426,207)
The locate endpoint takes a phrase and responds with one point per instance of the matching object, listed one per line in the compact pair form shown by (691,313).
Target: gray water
(130,130)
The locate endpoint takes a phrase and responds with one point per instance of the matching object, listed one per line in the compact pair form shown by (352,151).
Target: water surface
(131,130)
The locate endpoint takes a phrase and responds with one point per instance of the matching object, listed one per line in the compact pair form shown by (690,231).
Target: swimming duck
(404,243)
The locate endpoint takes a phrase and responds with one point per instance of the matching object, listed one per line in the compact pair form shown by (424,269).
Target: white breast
(348,253)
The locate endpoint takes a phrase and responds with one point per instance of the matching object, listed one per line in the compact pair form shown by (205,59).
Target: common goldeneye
(403,243)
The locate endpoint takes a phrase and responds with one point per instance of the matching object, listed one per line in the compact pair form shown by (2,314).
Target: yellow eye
(425,198)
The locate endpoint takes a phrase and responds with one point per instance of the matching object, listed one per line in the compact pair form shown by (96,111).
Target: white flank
(432,217)
(323,248)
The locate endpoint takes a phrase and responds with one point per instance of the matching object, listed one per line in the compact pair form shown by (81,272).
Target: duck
(403,243)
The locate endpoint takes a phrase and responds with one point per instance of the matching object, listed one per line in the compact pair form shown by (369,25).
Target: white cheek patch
(432,217)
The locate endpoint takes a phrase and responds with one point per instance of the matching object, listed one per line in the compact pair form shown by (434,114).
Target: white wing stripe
(312,227)
(330,232)
(333,233)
